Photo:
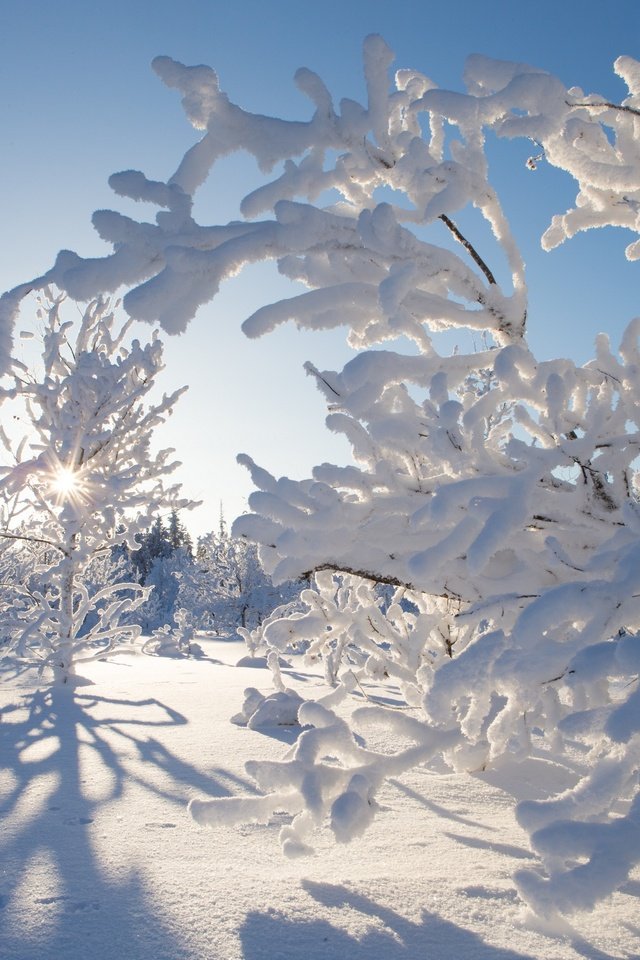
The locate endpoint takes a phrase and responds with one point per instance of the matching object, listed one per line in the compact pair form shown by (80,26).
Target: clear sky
(78,101)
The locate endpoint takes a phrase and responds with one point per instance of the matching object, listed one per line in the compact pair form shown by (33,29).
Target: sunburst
(68,485)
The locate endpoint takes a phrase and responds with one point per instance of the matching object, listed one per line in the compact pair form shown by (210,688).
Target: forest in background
(219,583)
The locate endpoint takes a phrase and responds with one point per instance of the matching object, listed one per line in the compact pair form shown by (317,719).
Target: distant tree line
(220,582)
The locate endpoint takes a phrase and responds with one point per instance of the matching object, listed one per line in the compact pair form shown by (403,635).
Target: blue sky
(79,101)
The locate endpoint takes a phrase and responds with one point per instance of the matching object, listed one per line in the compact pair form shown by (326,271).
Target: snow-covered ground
(100,859)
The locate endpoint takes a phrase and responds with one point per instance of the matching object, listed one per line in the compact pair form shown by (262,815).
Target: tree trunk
(63,665)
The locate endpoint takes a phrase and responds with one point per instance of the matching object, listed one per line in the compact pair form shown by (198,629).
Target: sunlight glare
(65,482)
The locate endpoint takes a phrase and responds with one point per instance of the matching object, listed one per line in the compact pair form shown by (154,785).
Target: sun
(67,484)
(65,481)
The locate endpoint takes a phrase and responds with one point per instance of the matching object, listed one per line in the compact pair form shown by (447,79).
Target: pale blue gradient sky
(78,101)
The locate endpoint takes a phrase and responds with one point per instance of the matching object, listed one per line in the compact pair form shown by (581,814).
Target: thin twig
(316,373)
(606,103)
(15,536)
(471,250)
(559,677)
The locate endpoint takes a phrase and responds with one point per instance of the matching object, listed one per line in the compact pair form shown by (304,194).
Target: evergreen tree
(153,545)
(178,535)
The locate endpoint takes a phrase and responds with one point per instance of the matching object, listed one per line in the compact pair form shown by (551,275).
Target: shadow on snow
(86,903)
(390,936)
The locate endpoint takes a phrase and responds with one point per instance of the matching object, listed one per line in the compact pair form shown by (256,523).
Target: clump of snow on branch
(384,270)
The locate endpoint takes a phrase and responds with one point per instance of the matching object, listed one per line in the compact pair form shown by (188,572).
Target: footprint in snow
(70,907)
(83,905)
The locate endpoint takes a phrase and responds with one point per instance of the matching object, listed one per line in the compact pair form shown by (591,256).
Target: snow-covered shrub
(351,623)
(497,493)
(277,709)
(227,587)
(174,641)
(87,482)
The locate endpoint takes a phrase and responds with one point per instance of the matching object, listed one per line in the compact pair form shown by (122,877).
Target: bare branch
(17,536)
(378,578)
(364,574)
(471,250)
(605,104)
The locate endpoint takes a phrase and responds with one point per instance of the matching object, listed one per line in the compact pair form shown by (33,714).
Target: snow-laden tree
(179,536)
(226,587)
(153,545)
(162,558)
(497,493)
(84,480)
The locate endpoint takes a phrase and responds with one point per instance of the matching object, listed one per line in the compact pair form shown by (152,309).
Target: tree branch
(16,536)
(363,574)
(471,250)
(606,103)
(379,578)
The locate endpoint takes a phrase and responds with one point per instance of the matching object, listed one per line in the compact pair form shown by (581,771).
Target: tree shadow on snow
(587,950)
(285,733)
(65,756)
(437,808)
(507,849)
(389,936)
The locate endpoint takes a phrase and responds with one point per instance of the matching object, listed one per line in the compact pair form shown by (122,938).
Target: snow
(100,856)
(279,709)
